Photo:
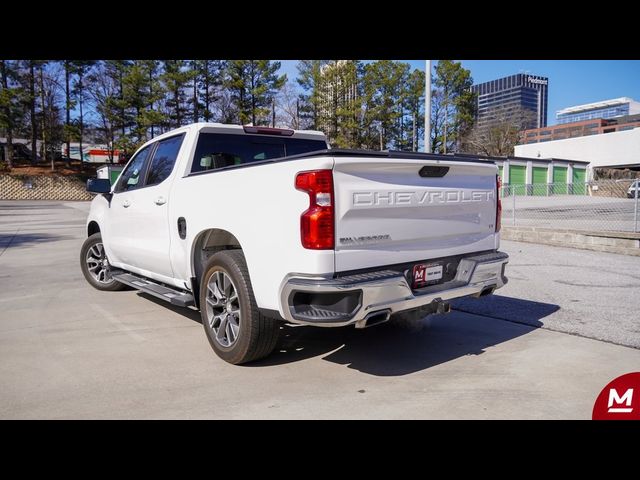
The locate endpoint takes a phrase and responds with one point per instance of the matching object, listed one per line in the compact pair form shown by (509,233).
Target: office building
(510,94)
(582,128)
(617,107)
(337,90)
(619,149)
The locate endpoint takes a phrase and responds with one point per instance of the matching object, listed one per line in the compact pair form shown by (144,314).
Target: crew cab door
(140,234)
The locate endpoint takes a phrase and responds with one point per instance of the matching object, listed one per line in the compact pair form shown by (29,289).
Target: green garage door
(560,180)
(517,177)
(539,181)
(579,178)
(114,173)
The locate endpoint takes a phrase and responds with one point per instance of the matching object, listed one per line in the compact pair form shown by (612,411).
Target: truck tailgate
(391,211)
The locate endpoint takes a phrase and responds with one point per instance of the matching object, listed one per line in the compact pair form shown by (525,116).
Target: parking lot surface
(542,347)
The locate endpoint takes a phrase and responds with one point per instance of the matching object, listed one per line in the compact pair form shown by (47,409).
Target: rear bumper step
(352,299)
(175,297)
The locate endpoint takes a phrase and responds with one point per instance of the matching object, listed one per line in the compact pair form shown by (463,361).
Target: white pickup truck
(255,226)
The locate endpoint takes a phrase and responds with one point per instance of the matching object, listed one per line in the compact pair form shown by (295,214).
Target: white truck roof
(240,130)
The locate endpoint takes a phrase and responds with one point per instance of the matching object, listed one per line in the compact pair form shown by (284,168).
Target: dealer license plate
(426,274)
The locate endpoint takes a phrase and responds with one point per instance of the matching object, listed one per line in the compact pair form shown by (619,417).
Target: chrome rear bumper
(363,295)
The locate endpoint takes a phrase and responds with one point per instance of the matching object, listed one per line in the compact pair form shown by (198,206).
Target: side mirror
(99,185)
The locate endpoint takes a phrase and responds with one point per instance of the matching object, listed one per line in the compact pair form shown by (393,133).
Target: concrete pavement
(69,351)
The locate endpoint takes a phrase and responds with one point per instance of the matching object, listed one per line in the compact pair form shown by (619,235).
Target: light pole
(427,107)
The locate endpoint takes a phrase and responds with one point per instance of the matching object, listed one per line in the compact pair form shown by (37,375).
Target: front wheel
(235,328)
(95,265)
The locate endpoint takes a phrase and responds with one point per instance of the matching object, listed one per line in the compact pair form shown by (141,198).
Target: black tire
(257,335)
(110,285)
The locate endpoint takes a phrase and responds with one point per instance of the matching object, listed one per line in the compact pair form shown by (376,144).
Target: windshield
(219,150)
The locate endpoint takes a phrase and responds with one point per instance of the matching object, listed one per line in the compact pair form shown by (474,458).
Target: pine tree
(81,69)
(153,116)
(10,107)
(31,99)
(253,85)
(309,78)
(414,98)
(208,82)
(175,80)
(384,80)
(457,102)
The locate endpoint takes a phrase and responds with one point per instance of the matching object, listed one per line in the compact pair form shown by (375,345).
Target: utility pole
(427,107)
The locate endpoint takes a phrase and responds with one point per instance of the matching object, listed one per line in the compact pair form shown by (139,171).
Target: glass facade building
(523,90)
(617,107)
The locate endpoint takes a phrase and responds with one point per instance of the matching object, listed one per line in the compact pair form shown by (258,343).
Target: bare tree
(499,133)
(51,94)
(224,109)
(104,91)
(288,106)
(437,122)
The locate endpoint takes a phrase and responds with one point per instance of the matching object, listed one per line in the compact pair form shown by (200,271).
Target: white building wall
(607,149)
(634,107)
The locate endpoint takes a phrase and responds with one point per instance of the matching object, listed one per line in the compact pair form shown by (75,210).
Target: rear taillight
(499,203)
(317,221)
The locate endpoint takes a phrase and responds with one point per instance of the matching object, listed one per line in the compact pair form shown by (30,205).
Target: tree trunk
(81,121)
(32,108)
(176,96)
(253,96)
(273,113)
(111,147)
(151,98)
(196,115)
(8,148)
(206,91)
(44,118)
(413,142)
(444,143)
(67,95)
(122,107)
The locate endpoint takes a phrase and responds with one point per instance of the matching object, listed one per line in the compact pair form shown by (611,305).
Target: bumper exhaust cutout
(374,318)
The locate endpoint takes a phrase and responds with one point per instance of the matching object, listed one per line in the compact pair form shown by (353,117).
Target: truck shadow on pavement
(395,350)
(10,240)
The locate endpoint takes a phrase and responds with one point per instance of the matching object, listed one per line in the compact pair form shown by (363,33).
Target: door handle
(160,201)
(126,204)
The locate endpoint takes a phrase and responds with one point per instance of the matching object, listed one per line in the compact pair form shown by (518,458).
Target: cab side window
(132,176)
(164,159)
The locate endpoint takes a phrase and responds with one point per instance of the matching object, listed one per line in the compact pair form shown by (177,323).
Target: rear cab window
(221,150)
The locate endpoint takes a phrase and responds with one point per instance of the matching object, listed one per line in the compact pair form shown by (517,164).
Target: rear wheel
(235,328)
(95,265)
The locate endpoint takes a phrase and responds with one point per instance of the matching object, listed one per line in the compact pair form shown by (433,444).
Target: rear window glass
(215,150)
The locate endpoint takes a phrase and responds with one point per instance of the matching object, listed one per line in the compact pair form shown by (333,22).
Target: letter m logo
(620,404)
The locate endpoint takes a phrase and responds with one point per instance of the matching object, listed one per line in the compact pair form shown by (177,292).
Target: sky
(571,82)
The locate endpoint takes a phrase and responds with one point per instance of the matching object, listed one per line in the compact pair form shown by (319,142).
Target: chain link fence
(602,205)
